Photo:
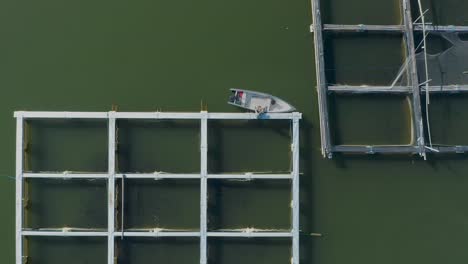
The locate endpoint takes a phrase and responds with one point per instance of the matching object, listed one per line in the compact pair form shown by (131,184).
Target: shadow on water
(434,161)
(249,250)
(159,250)
(166,146)
(447,113)
(149,204)
(367,124)
(350,13)
(327,11)
(64,145)
(437,161)
(265,204)
(254,144)
(57,250)
(307,197)
(330,58)
(362,58)
(57,203)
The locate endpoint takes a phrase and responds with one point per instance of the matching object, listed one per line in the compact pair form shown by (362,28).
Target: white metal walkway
(111,175)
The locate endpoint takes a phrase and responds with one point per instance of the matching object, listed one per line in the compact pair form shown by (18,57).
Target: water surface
(176,56)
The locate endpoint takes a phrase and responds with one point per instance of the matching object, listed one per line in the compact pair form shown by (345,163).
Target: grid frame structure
(203,234)
(417,84)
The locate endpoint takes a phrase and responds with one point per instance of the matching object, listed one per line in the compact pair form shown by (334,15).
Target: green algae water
(179,55)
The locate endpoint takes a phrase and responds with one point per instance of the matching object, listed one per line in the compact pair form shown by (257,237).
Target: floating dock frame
(414,89)
(203,234)
(325,135)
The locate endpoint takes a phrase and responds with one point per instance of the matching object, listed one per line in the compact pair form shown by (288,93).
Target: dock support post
(321,81)
(19,187)
(203,186)
(413,77)
(111,190)
(295,189)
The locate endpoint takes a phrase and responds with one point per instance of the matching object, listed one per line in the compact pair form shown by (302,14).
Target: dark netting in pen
(447,67)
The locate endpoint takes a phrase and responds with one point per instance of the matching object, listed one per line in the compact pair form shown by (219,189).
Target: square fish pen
(421,80)
(111,233)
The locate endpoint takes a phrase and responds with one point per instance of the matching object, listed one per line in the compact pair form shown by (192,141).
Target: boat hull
(259,102)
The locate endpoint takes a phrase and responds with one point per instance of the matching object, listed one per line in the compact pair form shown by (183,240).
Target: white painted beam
(157,115)
(19,188)
(62,115)
(203,187)
(414,79)
(180,115)
(160,234)
(295,190)
(362,28)
(244,234)
(322,84)
(392,28)
(396,149)
(111,189)
(240,234)
(157,176)
(65,175)
(66,233)
(251,116)
(447,89)
(150,115)
(441,28)
(365,89)
(250,176)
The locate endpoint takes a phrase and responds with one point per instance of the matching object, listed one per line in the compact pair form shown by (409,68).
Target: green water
(174,55)
(167,204)
(449,12)
(57,204)
(375,60)
(361,12)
